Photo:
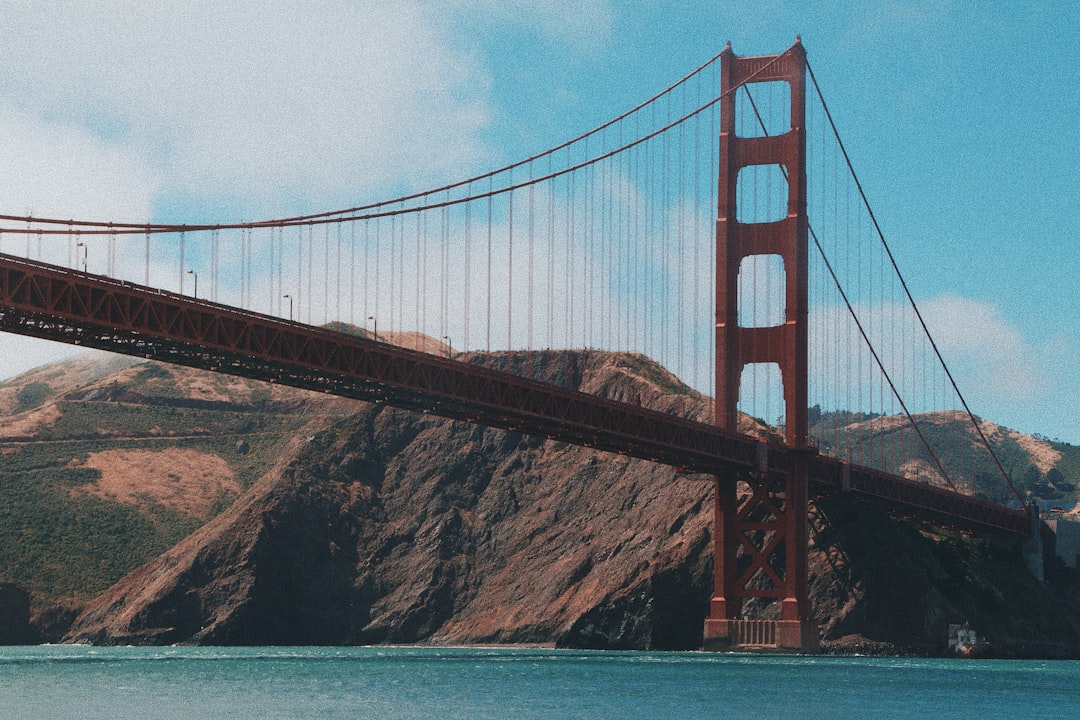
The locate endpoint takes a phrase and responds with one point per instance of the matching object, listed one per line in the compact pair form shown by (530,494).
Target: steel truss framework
(54,303)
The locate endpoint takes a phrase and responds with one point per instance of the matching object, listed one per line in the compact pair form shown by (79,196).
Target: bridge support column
(798,630)
(762,513)
(768,523)
(725,606)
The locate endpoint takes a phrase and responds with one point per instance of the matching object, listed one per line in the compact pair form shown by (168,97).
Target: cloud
(256,106)
(1001,374)
(990,355)
(202,110)
(58,169)
(264,108)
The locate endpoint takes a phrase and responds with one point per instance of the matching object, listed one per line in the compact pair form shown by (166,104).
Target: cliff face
(881,583)
(397,527)
(394,527)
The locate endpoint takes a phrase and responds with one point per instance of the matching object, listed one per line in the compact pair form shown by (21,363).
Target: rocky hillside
(106,462)
(397,527)
(366,524)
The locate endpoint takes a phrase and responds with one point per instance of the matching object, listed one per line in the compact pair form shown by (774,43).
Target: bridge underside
(46,301)
(49,302)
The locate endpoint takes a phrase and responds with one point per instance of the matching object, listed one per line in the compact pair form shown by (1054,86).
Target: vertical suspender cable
(392,324)
(337,270)
(352,274)
(510,277)
(444,284)
(551,261)
(181,262)
(326,274)
(417,301)
(401,274)
(468,266)
(530,307)
(488,312)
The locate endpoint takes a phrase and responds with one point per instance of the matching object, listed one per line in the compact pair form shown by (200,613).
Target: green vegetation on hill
(957,447)
(63,543)
(154,380)
(1069,465)
(59,544)
(31,396)
(642,366)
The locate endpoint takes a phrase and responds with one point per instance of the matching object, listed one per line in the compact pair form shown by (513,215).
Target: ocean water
(404,683)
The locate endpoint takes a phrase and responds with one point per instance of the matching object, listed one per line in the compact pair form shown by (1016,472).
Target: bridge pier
(769,523)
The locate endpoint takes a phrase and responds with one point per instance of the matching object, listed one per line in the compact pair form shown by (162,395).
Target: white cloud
(992,355)
(126,110)
(1001,374)
(260,107)
(203,111)
(53,168)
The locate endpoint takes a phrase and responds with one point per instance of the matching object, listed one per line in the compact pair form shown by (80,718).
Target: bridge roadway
(55,303)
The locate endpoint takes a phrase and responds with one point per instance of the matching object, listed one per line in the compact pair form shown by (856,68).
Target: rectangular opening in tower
(761,394)
(762,291)
(761,194)
(763,109)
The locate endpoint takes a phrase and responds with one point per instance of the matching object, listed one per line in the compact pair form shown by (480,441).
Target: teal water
(404,683)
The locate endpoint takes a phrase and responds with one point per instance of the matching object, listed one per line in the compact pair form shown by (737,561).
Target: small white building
(963,640)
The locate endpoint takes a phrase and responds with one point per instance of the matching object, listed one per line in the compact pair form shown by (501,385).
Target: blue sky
(959,118)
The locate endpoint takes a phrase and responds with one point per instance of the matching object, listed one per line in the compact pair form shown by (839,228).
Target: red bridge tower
(770,523)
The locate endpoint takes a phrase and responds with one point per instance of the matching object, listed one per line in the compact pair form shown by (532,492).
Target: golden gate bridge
(718,228)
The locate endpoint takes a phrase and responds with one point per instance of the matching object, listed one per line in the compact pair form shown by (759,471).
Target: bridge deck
(55,303)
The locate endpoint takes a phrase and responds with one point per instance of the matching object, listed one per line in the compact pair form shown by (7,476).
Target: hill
(107,462)
(356,523)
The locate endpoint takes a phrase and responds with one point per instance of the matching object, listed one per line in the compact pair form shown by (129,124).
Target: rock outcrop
(394,527)
(397,527)
(14,615)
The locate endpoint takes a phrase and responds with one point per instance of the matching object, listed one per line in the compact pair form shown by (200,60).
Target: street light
(450,346)
(84,251)
(375,323)
(289,297)
(195,293)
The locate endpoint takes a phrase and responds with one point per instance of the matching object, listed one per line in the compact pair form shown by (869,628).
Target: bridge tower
(770,522)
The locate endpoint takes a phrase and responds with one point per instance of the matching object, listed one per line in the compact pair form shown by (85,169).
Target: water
(405,683)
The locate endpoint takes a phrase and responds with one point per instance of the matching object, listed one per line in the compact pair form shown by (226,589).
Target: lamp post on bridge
(195,291)
(289,298)
(449,346)
(375,325)
(84,251)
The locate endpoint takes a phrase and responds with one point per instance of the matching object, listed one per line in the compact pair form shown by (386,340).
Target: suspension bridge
(718,229)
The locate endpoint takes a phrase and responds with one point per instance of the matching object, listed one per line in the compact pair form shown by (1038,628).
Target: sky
(959,117)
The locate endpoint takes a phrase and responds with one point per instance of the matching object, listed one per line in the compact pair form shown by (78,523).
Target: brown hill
(355,523)
(106,462)
(397,527)
(392,527)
